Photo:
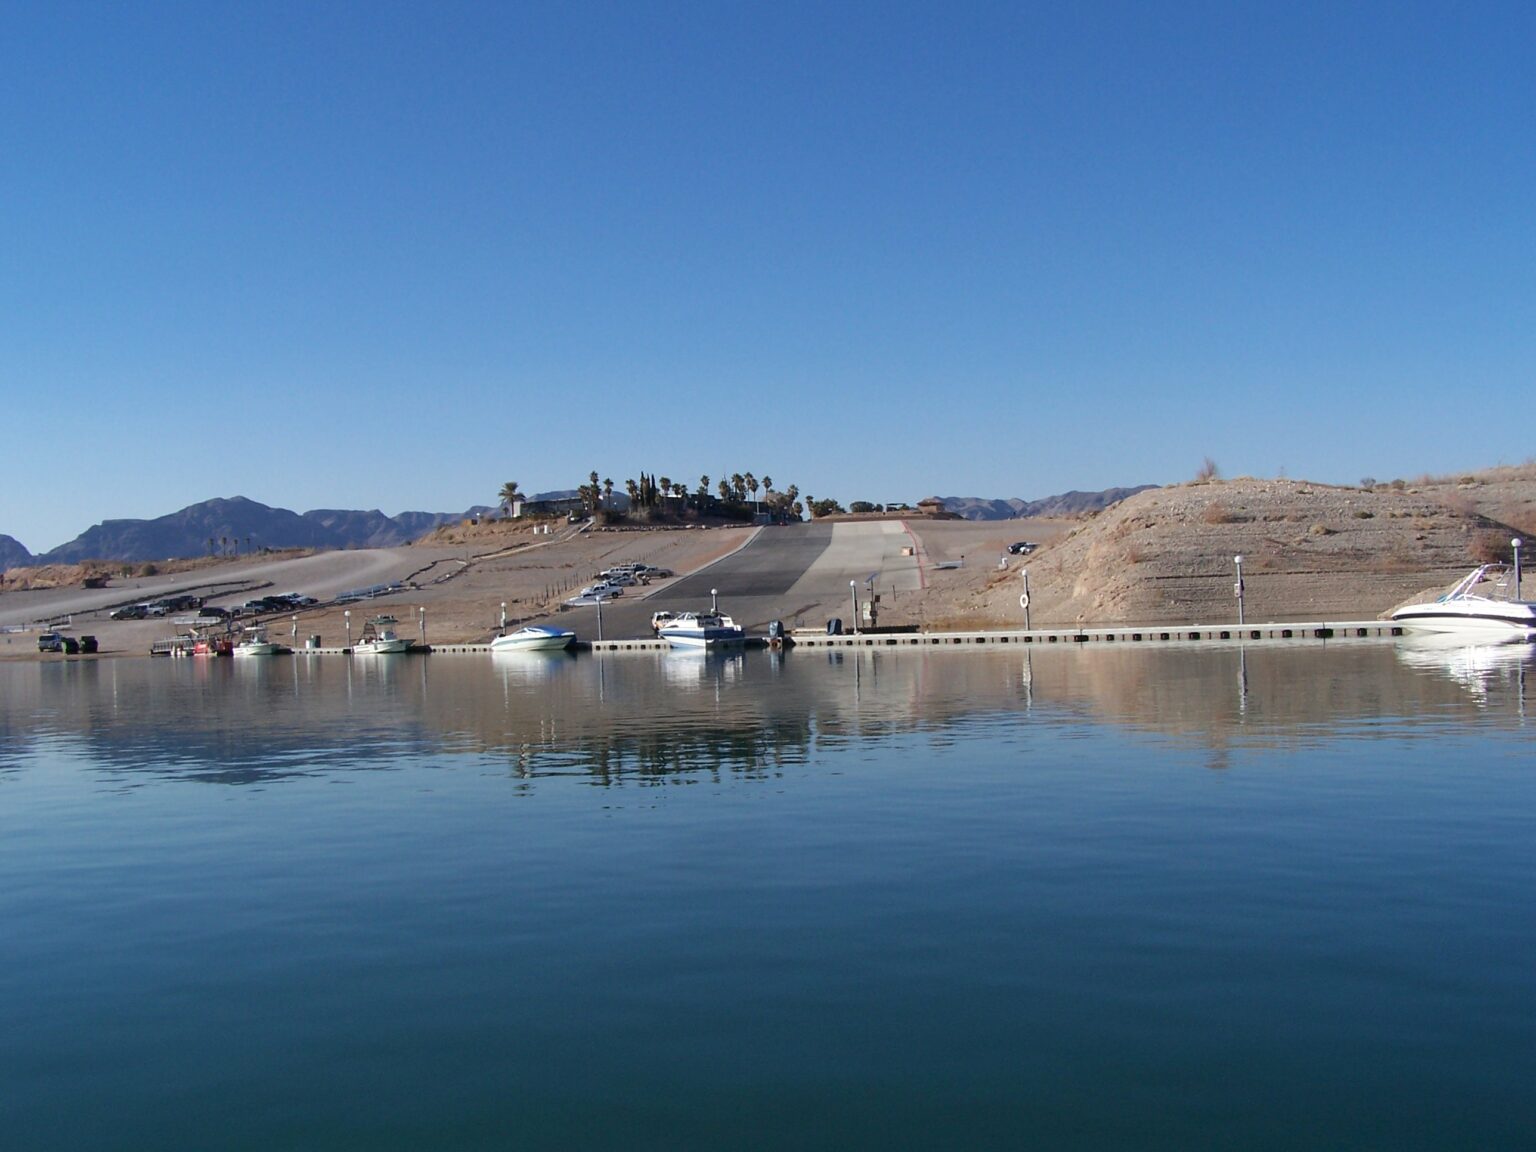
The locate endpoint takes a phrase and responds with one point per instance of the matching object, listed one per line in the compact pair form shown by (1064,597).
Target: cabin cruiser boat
(255,643)
(701,630)
(379,638)
(1482,604)
(535,638)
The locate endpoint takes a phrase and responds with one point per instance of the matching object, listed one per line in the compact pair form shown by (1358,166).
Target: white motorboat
(701,630)
(380,638)
(255,643)
(535,638)
(1483,603)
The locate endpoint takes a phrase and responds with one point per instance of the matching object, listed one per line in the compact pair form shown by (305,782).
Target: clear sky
(382,255)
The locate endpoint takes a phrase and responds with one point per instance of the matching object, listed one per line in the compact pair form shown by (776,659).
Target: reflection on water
(1492,673)
(649,715)
(775,900)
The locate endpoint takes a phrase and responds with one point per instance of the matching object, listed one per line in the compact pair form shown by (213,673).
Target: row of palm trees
(661,493)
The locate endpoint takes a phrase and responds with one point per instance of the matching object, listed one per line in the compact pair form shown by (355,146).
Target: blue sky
(393,255)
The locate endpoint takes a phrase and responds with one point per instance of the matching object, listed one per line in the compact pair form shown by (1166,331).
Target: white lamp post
(853,598)
(347,612)
(1238,589)
(1516,544)
(714,600)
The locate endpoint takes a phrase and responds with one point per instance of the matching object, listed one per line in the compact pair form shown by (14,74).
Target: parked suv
(50,642)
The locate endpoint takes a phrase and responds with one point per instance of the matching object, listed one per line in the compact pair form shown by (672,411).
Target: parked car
(131,612)
(50,642)
(1022,548)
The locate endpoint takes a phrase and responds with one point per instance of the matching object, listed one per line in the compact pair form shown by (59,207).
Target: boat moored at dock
(701,630)
(1484,603)
(535,638)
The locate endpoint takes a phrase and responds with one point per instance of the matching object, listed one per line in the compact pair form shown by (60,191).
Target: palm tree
(608,493)
(510,496)
(739,485)
(725,490)
(634,493)
(751,483)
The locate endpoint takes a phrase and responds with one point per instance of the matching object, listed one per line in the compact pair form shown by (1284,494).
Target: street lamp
(503,615)
(853,596)
(347,612)
(1238,589)
(714,600)
(421,613)
(1515,544)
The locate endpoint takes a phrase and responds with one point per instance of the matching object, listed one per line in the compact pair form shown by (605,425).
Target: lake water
(1278,897)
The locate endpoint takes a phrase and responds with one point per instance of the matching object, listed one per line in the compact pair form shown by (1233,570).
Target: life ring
(1024,600)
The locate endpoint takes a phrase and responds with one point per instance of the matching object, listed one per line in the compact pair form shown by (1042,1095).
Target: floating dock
(1181,634)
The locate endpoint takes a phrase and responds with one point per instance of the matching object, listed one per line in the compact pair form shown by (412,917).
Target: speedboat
(379,638)
(255,643)
(534,638)
(701,630)
(1469,608)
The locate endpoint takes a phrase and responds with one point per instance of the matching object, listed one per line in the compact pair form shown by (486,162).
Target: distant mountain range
(232,525)
(237,524)
(1066,504)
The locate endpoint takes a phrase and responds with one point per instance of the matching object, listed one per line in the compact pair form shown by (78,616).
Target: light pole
(347,612)
(1516,544)
(1024,597)
(599,619)
(853,596)
(421,613)
(503,615)
(714,600)
(1237,589)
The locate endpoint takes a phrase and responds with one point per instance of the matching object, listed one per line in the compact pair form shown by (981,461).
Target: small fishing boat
(1483,603)
(255,643)
(380,638)
(701,630)
(535,638)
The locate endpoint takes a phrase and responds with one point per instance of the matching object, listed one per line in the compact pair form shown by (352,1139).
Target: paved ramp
(796,573)
(858,550)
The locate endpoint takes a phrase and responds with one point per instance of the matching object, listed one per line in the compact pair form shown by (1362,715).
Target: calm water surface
(1271,898)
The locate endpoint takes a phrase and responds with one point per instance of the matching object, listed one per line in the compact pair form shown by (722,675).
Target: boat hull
(380,647)
(707,638)
(534,640)
(1442,618)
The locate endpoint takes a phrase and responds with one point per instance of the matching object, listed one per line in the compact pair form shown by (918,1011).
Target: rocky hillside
(13,554)
(1311,551)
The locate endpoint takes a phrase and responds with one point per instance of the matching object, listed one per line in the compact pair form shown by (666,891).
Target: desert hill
(1310,551)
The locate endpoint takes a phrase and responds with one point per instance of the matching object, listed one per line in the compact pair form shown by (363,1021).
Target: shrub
(1207,471)
(1216,513)
(1320,530)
